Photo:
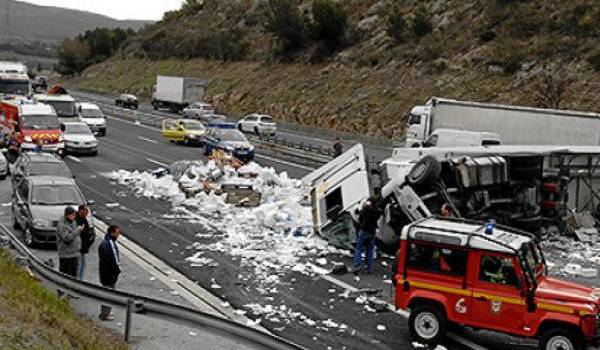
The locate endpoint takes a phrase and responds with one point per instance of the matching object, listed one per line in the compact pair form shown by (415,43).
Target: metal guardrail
(153,307)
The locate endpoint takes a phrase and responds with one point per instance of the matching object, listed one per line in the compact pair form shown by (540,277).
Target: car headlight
(28,139)
(41,223)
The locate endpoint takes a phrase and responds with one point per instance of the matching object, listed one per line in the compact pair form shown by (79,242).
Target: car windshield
(63,108)
(266,120)
(230,135)
(10,86)
(49,169)
(55,195)
(40,122)
(414,119)
(77,129)
(189,125)
(91,113)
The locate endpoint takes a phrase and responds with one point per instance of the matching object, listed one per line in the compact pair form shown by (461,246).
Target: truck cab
(418,125)
(458,138)
(14,79)
(31,124)
(451,271)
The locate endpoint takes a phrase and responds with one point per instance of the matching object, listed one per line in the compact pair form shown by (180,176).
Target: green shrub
(284,21)
(330,22)
(421,24)
(396,25)
(487,36)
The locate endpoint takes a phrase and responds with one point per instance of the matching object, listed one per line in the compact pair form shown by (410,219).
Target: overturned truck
(526,187)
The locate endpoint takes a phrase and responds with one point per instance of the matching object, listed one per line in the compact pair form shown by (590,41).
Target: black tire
(426,170)
(2,177)
(560,336)
(28,237)
(240,128)
(134,107)
(427,324)
(94,153)
(415,145)
(155,105)
(117,103)
(103,133)
(186,141)
(256,131)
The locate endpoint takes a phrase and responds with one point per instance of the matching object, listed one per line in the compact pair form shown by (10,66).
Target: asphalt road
(131,146)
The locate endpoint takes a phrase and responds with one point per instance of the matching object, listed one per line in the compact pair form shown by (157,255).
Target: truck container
(14,79)
(515,125)
(176,93)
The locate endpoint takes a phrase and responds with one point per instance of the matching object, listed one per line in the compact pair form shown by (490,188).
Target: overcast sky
(120,9)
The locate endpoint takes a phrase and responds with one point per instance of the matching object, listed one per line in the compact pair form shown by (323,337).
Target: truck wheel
(560,339)
(155,105)
(134,107)
(426,170)
(427,324)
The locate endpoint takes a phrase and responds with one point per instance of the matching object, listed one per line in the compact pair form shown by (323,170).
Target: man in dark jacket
(338,149)
(110,265)
(367,227)
(87,237)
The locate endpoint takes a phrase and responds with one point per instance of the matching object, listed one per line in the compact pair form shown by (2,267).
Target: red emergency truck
(31,123)
(461,272)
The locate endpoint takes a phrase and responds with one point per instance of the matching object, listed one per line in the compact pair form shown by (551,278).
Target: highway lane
(376,152)
(147,222)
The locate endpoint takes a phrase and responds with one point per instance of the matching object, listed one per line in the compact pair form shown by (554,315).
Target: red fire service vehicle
(31,123)
(487,277)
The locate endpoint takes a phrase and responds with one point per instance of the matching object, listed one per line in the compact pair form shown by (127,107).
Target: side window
(435,259)
(497,270)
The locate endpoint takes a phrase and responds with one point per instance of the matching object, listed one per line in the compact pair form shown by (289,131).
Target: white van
(457,138)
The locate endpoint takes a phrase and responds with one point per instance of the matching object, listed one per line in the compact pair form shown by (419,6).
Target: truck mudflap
(338,188)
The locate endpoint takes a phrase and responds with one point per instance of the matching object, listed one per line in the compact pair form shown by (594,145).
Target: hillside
(530,52)
(33,22)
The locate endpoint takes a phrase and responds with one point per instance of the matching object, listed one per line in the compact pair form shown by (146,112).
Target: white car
(259,124)
(93,117)
(198,109)
(79,139)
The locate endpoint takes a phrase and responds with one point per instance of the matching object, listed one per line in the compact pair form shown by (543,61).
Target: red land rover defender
(487,277)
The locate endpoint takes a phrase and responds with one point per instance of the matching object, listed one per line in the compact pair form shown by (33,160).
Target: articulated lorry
(515,125)
(176,93)
(14,79)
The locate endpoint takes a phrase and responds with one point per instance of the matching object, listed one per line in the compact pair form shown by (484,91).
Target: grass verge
(32,317)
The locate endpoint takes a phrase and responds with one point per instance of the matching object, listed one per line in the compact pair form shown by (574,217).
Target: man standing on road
(69,243)
(338,149)
(87,237)
(110,266)
(367,226)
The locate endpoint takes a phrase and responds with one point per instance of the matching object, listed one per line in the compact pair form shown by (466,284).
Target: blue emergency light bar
(222,125)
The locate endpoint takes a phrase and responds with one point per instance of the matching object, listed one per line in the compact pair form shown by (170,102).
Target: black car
(127,101)
(38,164)
(39,202)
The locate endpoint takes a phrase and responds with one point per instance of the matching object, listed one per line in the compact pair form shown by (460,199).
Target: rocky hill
(22,20)
(529,52)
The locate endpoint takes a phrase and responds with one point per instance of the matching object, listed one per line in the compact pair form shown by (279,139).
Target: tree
(330,22)
(284,20)
(73,56)
(421,25)
(396,25)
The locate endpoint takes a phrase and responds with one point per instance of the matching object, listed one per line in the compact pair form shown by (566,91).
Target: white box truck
(515,125)
(176,93)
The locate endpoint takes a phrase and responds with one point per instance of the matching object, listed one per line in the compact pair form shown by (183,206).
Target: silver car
(38,203)
(79,139)
(93,117)
(198,109)
(260,124)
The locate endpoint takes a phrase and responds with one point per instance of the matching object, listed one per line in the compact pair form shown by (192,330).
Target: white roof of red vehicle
(466,234)
(29,107)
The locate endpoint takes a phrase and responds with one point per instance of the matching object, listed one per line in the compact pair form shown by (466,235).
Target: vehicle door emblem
(460,306)
(496,306)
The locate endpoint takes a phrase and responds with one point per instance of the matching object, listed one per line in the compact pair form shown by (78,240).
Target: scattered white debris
(112,205)
(380,327)
(152,278)
(6,204)
(193,334)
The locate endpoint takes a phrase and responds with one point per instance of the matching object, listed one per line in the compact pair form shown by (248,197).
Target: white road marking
(285,162)
(156,162)
(147,139)
(75,159)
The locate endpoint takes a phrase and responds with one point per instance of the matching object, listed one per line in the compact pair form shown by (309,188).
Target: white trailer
(515,125)
(176,93)
(14,79)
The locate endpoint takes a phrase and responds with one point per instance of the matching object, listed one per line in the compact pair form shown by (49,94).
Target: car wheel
(103,133)
(28,237)
(426,170)
(186,141)
(2,177)
(256,131)
(155,106)
(427,324)
(134,107)
(117,103)
(560,339)
(94,153)
(240,128)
